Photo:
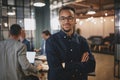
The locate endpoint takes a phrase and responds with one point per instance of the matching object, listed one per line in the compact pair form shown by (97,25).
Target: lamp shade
(91,11)
(39,3)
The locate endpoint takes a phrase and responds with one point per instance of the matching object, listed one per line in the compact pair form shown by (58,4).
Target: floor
(104,67)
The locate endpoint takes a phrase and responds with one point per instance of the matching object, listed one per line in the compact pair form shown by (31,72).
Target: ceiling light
(11,12)
(39,3)
(5,24)
(106,14)
(91,11)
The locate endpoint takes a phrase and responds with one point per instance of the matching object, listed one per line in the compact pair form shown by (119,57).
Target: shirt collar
(64,35)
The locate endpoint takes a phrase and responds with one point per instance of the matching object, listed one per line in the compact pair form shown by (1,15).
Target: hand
(36,50)
(85,57)
(39,67)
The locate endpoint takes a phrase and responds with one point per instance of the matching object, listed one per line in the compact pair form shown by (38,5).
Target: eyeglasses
(70,18)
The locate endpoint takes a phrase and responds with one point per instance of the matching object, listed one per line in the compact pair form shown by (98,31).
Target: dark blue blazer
(27,43)
(62,49)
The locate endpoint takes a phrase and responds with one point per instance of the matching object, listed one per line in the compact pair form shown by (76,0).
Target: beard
(66,30)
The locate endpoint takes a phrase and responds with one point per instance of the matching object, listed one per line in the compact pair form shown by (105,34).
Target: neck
(69,33)
(21,39)
(14,37)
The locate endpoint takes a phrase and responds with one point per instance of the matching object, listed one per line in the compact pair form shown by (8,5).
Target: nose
(66,20)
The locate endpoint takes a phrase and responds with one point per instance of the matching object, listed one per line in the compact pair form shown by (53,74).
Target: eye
(70,18)
(62,18)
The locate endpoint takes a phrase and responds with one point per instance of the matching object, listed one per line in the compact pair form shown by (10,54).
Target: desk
(43,74)
(43,61)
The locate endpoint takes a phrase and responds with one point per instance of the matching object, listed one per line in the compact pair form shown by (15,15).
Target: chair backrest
(97,41)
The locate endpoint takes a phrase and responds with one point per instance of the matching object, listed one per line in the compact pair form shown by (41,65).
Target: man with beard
(68,54)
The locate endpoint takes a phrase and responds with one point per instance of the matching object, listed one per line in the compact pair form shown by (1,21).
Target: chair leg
(95,47)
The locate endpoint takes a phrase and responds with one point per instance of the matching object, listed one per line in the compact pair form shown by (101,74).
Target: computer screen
(31,56)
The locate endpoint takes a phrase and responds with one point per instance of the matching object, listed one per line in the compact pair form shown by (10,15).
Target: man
(45,35)
(13,57)
(24,40)
(68,54)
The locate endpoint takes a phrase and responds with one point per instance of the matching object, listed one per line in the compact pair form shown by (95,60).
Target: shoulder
(81,38)
(26,41)
(18,45)
(14,44)
(54,36)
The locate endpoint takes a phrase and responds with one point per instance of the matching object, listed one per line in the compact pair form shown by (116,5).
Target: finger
(85,57)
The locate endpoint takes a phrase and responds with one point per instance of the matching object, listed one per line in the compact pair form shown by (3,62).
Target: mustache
(67,24)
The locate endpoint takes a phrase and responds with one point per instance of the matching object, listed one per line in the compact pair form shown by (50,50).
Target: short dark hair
(15,29)
(66,8)
(46,32)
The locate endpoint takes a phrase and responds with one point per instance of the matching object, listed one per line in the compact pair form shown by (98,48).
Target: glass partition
(21,9)
(19,12)
(27,13)
(27,3)
(11,2)
(19,2)
(117,40)
(4,11)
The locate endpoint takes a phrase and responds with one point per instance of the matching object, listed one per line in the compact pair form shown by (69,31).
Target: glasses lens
(70,18)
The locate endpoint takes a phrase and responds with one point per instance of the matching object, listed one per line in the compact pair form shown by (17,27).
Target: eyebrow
(67,16)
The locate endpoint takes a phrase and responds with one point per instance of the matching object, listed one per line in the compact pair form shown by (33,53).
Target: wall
(101,26)
(42,17)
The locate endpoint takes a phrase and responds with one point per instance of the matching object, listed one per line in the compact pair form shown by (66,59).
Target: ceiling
(100,6)
(82,6)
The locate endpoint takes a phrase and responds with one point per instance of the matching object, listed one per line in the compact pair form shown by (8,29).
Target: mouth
(67,25)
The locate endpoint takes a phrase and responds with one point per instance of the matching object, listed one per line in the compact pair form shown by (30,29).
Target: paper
(31,56)
(63,65)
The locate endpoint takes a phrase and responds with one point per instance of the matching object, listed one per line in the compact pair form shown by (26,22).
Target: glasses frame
(69,18)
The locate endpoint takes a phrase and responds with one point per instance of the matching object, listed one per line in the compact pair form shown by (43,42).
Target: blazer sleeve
(23,61)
